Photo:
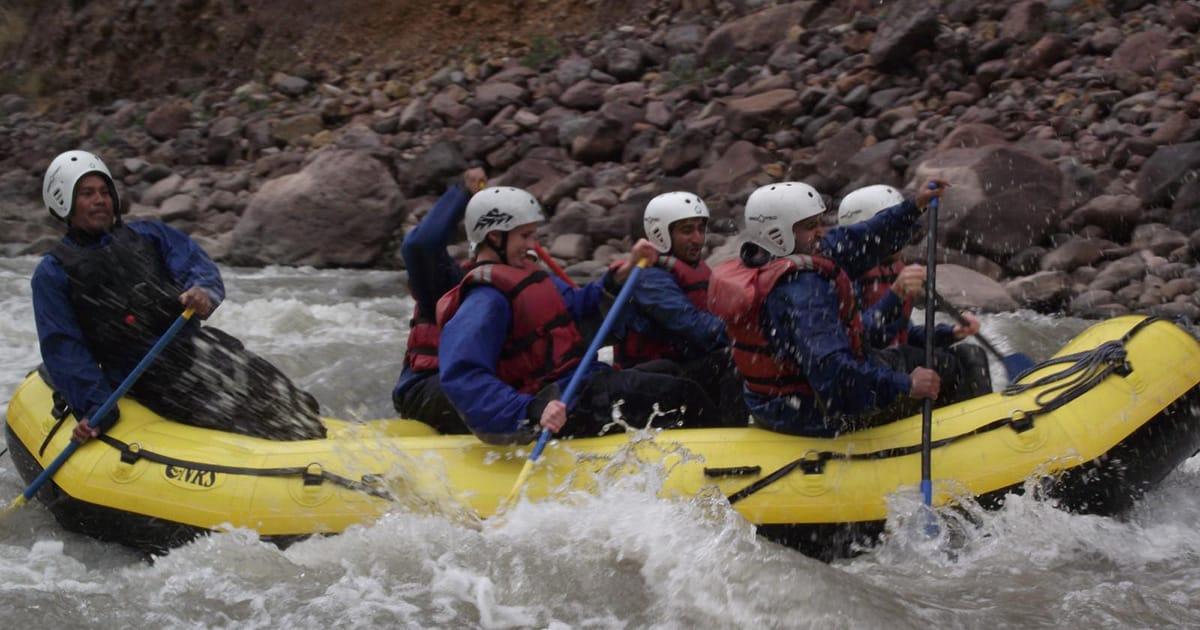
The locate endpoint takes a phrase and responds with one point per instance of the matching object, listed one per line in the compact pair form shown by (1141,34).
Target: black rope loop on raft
(131,453)
(1088,369)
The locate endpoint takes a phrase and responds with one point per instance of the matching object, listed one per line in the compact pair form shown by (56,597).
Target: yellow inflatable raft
(1121,416)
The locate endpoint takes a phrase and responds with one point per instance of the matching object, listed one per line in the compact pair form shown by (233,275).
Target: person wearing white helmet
(105,293)
(669,328)
(789,308)
(432,272)
(887,293)
(510,338)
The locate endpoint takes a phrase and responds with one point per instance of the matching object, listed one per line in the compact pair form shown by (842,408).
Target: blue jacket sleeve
(431,270)
(467,356)
(801,317)
(189,265)
(73,369)
(943,336)
(883,320)
(858,247)
(659,299)
(585,301)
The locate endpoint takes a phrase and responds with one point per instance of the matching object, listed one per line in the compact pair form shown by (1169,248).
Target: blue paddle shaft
(108,405)
(590,356)
(930,306)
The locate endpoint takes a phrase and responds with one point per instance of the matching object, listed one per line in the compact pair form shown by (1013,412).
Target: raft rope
(313,474)
(1087,370)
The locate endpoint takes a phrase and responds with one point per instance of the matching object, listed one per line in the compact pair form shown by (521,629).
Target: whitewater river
(621,559)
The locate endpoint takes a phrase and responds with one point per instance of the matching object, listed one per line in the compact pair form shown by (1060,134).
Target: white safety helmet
(864,203)
(666,209)
(58,186)
(500,208)
(772,210)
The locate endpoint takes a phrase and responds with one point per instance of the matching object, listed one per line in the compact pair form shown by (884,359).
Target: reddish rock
(756,31)
(740,165)
(1141,51)
(165,122)
(584,95)
(761,109)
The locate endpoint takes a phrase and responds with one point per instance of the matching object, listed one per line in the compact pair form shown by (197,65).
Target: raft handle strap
(732,471)
(131,453)
(59,412)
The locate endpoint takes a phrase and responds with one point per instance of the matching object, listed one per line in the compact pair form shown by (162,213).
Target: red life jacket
(737,297)
(421,350)
(874,284)
(639,347)
(543,344)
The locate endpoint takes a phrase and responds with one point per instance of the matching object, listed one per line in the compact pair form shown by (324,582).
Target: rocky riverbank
(1070,131)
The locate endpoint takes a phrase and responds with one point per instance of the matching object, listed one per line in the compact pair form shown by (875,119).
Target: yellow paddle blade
(14,505)
(522,478)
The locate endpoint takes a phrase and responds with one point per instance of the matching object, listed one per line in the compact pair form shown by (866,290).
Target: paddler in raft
(510,339)
(789,307)
(105,293)
(887,293)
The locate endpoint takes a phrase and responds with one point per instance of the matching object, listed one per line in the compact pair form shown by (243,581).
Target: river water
(623,559)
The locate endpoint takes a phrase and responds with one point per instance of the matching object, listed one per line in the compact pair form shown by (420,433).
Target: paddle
(558,271)
(576,380)
(1014,364)
(927,408)
(103,411)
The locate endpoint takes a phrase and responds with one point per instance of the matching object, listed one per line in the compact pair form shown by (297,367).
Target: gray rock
(430,171)
(414,114)
(1166,171)
(971,290)
(178,207)
(1119,273)
(290,85)
(584,95)
(598,140)
(571,246)
(1075,253)
(572,70)
(624,63)
(288,130)
(339,211)
(739,167)
(685,37)
(492,96)
(683,151)
(761,109)
(909,25)
(162,189)
(1140,52)
(1045,291)
(1158,238)
(756,31)
(1115,214)
(166,121)
(1003,199)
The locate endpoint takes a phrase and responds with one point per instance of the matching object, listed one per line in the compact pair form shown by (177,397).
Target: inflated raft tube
(1100,423)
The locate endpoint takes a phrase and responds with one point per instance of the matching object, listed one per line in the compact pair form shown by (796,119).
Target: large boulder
(339,211)
(1166,171)
(909,25)
(757,31)
(1141,51)
(735,170)
(972,291)
(1001,201)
